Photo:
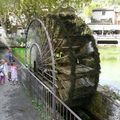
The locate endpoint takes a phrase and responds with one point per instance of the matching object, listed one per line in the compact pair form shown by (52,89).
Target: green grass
(19,53)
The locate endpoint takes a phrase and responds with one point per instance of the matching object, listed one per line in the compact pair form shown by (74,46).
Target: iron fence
(50,106)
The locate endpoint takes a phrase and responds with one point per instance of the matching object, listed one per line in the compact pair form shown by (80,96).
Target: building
(103,16)
(117,16)
(105,21)
(105,24)
(106,16)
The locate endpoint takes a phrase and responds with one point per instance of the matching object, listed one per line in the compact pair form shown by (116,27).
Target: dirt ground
(14,102)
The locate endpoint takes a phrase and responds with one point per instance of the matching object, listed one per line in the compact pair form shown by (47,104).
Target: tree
(113,2)
(37,8)
(88,9)
(41,7)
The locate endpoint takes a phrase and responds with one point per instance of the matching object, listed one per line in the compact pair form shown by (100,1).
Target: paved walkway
(15,104)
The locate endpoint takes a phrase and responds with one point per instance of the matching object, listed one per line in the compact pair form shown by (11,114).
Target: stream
(102,107)
(110,67)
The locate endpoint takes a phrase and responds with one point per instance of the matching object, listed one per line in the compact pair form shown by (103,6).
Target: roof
(102,9)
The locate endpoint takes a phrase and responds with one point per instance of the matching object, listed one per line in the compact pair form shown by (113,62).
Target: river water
(110,66)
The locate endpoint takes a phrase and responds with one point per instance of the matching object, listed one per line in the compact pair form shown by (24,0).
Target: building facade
(105,16)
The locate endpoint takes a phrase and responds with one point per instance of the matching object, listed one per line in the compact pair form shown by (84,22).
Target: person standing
(14,73)
(2,77)
(5,69)
(9,56)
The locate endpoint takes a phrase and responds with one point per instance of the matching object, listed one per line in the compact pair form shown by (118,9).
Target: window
(103,12)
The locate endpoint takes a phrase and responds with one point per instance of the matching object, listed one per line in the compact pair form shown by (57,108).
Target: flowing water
(110,66)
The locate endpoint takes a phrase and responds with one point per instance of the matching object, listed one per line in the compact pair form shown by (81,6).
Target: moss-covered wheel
(70,57)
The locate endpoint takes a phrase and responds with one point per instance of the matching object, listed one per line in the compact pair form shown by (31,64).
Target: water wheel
(62,52)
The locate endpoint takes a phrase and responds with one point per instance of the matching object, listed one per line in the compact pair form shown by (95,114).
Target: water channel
(110,66)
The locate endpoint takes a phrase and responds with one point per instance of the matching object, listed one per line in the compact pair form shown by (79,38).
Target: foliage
(34,8)
(6,6)
(113,2)
(20,40)
(99,4)
(105,3)
(88,9)
(19,53)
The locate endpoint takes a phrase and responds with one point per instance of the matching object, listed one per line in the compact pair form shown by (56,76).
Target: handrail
(46,96)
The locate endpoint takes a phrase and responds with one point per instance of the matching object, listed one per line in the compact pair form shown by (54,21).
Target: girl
(2,76)
(14,74)
(5,69)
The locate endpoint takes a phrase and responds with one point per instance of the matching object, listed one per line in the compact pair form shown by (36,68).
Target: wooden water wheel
(63,54)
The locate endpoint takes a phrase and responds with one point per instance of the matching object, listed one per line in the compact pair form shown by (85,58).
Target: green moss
(100,106)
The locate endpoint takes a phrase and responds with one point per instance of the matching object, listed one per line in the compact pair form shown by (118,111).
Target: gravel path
(15,104)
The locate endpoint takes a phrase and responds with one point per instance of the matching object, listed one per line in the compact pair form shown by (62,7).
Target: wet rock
(104,105)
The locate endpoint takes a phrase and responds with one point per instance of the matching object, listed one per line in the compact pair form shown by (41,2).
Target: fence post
(54,101)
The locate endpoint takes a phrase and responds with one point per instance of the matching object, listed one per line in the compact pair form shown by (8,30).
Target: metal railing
(50,106)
